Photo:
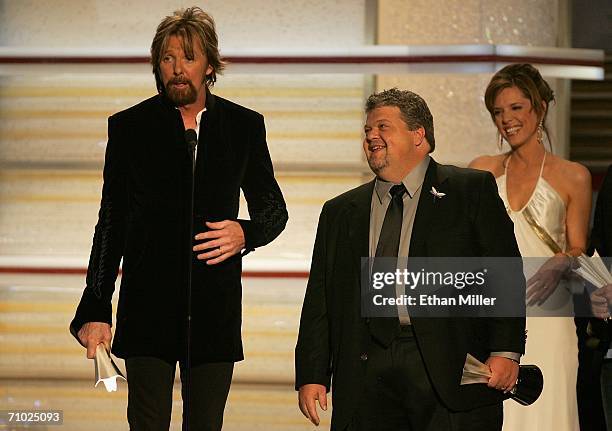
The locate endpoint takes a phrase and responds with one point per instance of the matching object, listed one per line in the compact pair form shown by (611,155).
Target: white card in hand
(107,371)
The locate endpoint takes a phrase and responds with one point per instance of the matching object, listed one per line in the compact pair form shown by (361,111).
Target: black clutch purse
(529,385)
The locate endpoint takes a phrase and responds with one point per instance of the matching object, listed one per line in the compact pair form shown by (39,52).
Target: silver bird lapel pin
(436,194)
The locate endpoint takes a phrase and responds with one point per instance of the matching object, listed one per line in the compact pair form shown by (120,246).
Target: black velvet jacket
(143,219)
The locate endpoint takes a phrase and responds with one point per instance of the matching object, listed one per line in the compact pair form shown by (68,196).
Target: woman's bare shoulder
(574,177)
(493,164)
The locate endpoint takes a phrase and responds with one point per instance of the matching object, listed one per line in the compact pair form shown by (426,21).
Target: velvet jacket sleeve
(108,240)
(267,209)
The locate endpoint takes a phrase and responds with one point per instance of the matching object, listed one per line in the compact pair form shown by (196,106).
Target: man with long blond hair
(145,218)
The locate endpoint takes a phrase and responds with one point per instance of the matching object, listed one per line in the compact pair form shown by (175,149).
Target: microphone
(192,142)
(192,139)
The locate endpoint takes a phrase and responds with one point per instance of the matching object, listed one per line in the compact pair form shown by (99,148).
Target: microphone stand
(192,141)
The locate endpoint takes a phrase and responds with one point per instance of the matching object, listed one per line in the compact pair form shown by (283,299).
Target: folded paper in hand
(593,270)
(107,371)
(474,371)
(528,386)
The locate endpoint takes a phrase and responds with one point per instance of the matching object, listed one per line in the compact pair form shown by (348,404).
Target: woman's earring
(500,141)
(540,132)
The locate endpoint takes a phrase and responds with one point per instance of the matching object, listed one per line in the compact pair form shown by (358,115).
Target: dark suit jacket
(601,236)
(332,344)
(144,218)
(601,240)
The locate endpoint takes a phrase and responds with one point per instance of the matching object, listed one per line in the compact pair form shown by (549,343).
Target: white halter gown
(551,341)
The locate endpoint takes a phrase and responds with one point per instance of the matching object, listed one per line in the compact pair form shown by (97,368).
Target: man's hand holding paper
(504,373)
(600,300)
(93,333)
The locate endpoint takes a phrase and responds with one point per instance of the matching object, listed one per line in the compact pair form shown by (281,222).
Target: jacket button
(364,357)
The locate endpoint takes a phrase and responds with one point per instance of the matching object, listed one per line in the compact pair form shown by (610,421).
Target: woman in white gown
(554,194)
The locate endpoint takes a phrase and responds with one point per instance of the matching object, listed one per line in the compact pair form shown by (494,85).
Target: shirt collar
(199,117)
(413,181)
